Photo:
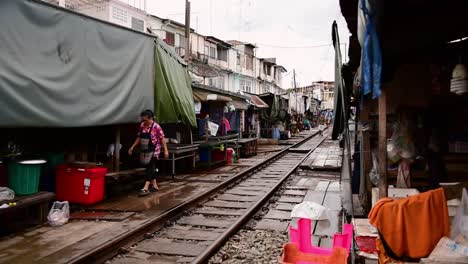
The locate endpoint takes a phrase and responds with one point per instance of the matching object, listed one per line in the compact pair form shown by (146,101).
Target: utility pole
(187,30)
(295,91)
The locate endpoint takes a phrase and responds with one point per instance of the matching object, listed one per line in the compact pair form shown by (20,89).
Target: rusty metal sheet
(275,225)
(199,220)
(224,204)
(277,214)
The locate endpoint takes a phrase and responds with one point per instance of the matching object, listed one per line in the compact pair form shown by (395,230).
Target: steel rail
(213,248)
(111,248)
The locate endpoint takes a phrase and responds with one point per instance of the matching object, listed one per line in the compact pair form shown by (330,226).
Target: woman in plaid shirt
(150,137)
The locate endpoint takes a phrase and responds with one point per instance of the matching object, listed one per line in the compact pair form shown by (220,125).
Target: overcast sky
(287,30)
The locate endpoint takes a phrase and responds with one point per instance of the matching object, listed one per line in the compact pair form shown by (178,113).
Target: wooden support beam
(117,152)
(366,158)
(383,188)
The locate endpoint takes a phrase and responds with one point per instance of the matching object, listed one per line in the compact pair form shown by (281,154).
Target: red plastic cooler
(80,185)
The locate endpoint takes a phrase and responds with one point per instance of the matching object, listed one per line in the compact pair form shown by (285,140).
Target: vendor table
(248,146)
(33,208)
(214,142)
(181,151)
(209,146)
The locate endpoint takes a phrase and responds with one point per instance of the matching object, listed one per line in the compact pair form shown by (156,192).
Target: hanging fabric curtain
(339,119)
(371,56)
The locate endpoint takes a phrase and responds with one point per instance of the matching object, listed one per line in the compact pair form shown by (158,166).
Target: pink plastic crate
(302,237)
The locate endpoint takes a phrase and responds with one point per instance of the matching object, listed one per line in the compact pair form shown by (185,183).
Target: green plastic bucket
(47,182)
(24,176)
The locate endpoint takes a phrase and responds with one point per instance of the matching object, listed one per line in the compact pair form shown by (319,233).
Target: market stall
(81,103)
(411,100)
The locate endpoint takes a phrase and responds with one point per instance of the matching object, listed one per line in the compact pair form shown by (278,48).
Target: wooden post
(117,152)
(366,158)
(383,145)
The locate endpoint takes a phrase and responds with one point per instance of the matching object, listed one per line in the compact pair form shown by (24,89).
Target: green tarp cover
(59,69)
(173,99)
(341,96)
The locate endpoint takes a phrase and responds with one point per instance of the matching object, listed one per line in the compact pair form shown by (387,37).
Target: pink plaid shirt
(157,135)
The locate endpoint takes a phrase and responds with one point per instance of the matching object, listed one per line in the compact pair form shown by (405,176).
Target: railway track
(193,231)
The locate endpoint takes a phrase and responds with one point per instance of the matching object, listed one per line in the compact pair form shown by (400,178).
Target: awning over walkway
(206,97)
(257,102)
(240,104)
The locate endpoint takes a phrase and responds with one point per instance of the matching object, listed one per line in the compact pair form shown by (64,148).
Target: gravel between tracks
(252,246)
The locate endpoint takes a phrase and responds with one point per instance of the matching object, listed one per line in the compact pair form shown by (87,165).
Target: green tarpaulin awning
(173,100)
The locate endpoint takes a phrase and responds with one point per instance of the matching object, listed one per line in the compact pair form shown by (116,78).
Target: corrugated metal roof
(206,97)
(257,101)
(240,104)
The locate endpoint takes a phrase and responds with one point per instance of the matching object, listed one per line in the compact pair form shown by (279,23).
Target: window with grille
(170,39)
(221,82)
(246,86)
(119,14)
(249,62)
(182,41)
(222,53)
(212,82)
(138,24)
(212,52)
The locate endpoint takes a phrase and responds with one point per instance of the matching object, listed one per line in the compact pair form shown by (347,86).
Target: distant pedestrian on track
(321,128)
(150,137)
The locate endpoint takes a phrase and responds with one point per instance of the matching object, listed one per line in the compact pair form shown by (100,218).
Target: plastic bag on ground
(59,214)
(6,194)
(310,210)
(460,222)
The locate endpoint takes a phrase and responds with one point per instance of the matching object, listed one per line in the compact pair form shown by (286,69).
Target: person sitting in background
(150,137)
(306,124)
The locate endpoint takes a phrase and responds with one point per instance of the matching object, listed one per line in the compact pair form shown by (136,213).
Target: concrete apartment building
(323,91)
(228,65)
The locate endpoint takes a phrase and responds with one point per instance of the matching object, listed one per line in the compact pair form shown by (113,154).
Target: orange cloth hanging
(411,227)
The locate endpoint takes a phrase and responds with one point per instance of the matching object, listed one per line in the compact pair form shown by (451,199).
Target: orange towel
(412,227)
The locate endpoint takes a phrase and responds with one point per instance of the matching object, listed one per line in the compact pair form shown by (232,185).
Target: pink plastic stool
(302,237)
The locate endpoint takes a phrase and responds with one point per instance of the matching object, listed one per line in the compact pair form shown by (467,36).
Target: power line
(294,47)
(298,47)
